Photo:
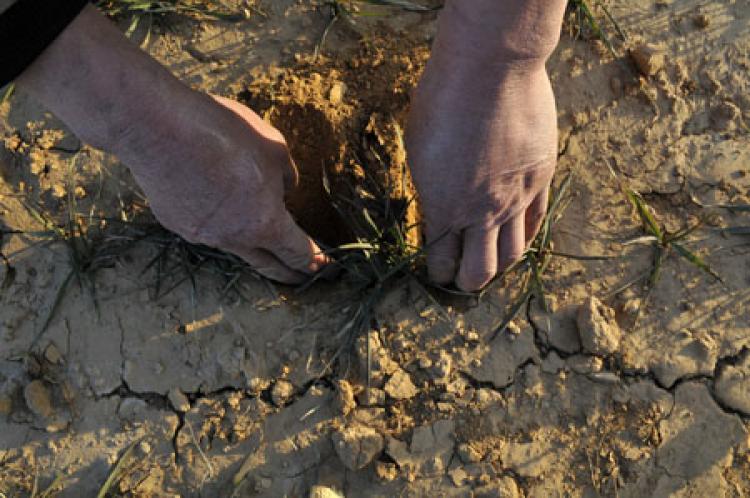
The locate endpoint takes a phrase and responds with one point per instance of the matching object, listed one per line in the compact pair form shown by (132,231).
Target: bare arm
(482,135)
(213,170)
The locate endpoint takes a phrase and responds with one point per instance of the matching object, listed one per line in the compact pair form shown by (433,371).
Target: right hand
(221,183)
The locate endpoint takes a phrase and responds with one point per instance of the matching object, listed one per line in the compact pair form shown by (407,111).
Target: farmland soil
(619,381)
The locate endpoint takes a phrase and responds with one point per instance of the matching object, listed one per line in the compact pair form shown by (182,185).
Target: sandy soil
(606,388)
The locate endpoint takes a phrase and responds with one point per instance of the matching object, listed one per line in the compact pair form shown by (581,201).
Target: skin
(482,136)
(482,141)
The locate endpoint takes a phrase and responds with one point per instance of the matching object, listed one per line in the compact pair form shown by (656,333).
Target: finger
(535,215)
(479,259)
(442,257)
(270,267)
(295,249)
(512,241)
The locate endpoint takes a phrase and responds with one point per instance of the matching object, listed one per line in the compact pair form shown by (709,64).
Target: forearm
(493,33)
(100,84)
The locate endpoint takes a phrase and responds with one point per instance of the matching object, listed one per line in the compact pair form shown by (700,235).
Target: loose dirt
(609,387)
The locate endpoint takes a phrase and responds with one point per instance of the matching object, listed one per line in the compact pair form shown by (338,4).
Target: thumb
(295,248)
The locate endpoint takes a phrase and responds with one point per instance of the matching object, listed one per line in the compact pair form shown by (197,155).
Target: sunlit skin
(481,140)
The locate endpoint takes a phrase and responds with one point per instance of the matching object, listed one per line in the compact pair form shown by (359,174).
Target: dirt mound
(344,119)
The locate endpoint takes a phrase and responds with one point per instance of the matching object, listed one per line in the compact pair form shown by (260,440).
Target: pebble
(400,386)
(281,392)
(599,332)
(38,399)
(648,58)
(53,355)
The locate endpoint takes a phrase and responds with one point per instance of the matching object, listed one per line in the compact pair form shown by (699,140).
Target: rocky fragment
(344,398)
(357,446)
(281,392)
(733,386)
(648,58)
(400,386)
(697,435)
(600,334)
(336,95)
(38,399)
(178,400)
(53,355)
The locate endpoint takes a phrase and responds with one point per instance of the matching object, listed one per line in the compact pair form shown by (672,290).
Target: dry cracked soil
(611,384)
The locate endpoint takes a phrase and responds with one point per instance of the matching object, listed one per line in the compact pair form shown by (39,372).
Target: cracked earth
(609,387)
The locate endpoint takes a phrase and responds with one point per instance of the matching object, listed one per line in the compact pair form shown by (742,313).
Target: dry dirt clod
(344,400)
(400,386)
(336,95)
(178,399)
(53,355)
(733,386)
(357,446)
(38,399)
(600,334)
(648,58)
(281,392)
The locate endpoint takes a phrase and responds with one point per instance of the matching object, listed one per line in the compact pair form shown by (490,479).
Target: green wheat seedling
(586,20)
(380,258)
(665,243)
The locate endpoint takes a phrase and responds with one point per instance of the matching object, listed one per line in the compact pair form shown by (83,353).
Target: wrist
(493,35)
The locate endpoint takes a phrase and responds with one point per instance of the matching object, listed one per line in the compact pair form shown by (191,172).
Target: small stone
(179,401)
(472,336)
(336,95)
(357,446)
(281,392)
(702,21)
(648,58)
(53,355)
(600,334)
(38,399)
(458,476)
(400,386)
(386,471)
(513,329)
(344,400)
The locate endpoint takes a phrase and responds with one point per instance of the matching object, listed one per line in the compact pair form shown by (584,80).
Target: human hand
(482,140)
(214,172)
(227,190)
